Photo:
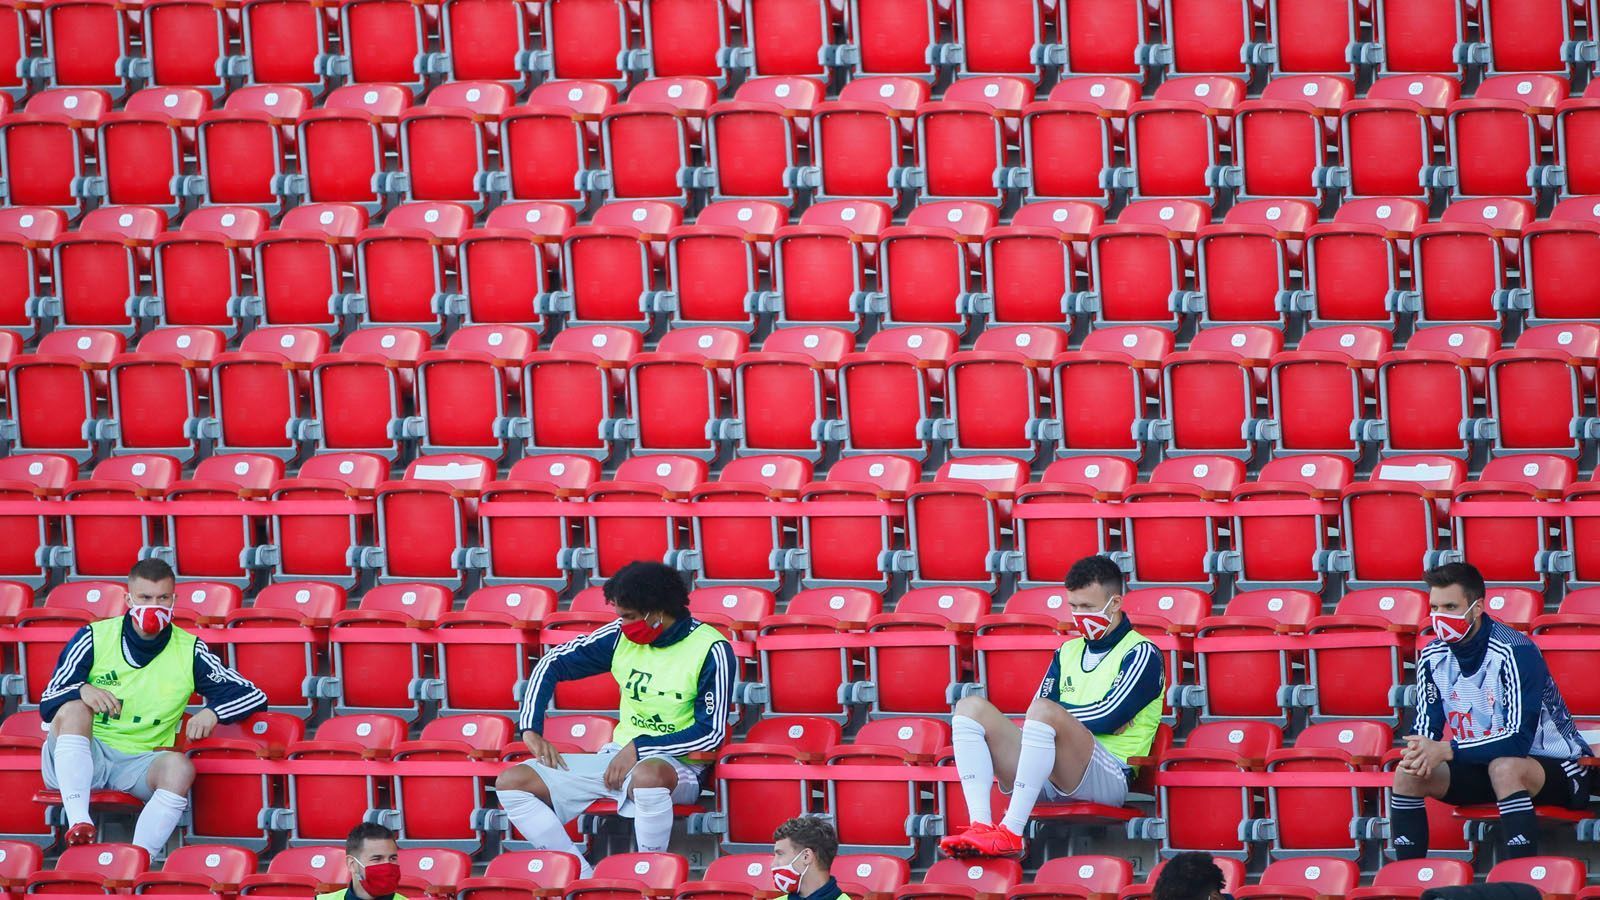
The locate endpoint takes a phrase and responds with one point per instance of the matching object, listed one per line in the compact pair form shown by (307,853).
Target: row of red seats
(702,392)
(298,872)
(187,42)
(1093,138)
(823,653)
(952,264)
(977,522)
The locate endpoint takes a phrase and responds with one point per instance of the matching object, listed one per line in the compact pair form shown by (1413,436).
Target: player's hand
(201,724)
(543,751)
(621,765)
(100,701)
(1424,755)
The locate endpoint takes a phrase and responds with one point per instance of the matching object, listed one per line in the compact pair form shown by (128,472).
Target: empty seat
(1143,266)
(822,267)
(1354,263)
(426,520)
(1176,549)
(756,141)
(261,398)
(964,140)
(855,550)
(1390,524)
(896,37)
(1460,263)
(285,42)
(865,134)
(1496,140)
(998,392)
(786,394)
(1327,876)
(1551,271)
(1387,140)
(1032,264)
(1048,547)
(1208,817)
(299,871)
(1410,877)
(654,141)
(1321,390)
(786,36)
(1549,362)
(1422,37)
(1426,390)
(1512,551)
(703,260)
(1530,37)
(202,267)
(623,875)
(1248,263)
(1071,141)
(145,147)
(385,41)
(514,257)
(26,236)
(998,38)
(967,499)
(341,800)
(101,271)
(951,878)
(523,552)
(199,868)
(1176,138)
(1284,551)
(56,396)
(91,867)
(1284,141)
(586,39)
(550,141)
(45,146)
(489,41)
(746,550)
(1245,678)
(1364,681)
(1212,395)
(875,386)
(405,270)
(1103,390)
(446,142)
(303,265)
(1209,36)
(88,41)
(344,144)
(680,395)
(614,265)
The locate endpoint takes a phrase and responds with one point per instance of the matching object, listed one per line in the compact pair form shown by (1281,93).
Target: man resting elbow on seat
(1491,725)
(117,696)
(1099,705)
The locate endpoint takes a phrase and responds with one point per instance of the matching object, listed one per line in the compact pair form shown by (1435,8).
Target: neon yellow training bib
(153,697)
(660,685)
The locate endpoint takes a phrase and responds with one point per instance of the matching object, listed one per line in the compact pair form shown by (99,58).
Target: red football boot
(81,833)
(996,841)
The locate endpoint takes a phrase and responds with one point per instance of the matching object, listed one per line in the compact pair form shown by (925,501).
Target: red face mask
(640,631)
(1094,625)
(150,619)
(1449,628)
(380,879)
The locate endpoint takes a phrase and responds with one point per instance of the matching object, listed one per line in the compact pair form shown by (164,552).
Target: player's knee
(974,707)
(654,776)
(1409,785)
(1508,774)
(73,717)
(519,778)
(174,772)
(1050,713)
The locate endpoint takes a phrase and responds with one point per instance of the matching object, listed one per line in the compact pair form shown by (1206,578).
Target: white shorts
(114,770)
(571,792)
(1105,781)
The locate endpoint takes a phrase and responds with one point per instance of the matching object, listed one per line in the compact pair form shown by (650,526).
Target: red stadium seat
(1176,138)
(574,391)
(1550,250)
(1320,876)
(446,142)
(1390,524)
(786,395)
(998,391)
(680,396)
(626,875)
(729,878)
(1049,547)
(1032,263)
(199,868)
(815,680)
(300,872)
(1406,879)
(506,264)
(1563,637)
(437,497)
(653,140)
(260,394)
(1364,681)
(854,550)
(948,879)
(1550,361)
(101,270)
(756,142)
(26,235)
(614,264)
(1426,390)
(1143,265)
(1320,819)
(966,500)
(822,266)
(871,874)
(1321,390)
(303,265)
(928,268)
(1209,36)
(341,800)
(727,237)
(963,140)
(469,391)
(200,268)
(552,140)
(156,392)
(877,387)
(1353,263)
(1247,263)
(1552,875)
(1495,138)
(1208,818)
(91,868)
(488,41)
(45,146)
(344,144)
(861,138)
(509,874)
(1070,141)
(1255,679)
(444,811)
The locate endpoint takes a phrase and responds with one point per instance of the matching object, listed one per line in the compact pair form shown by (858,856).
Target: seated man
(675,674)
(1510,738)
(118,694)
(1099,704)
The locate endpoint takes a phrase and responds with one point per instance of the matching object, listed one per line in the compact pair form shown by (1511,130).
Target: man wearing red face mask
(1491,725)
(373,859)
(675,675)
(1098,706)
(118,695)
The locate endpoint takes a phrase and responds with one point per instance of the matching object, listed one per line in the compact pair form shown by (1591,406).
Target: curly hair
(1188,876)
(1095,570)
(648,587)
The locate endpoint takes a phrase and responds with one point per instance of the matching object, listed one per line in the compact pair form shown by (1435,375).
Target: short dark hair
(152,569)
(811,833)
(648,587)
(1464,574)
(366,831)
(1188,876)
(1095,570)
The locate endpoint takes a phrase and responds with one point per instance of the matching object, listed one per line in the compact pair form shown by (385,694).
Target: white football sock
(161,814)
(539,825)
(976,767)
(652,819)
(74,764)
(1035,762)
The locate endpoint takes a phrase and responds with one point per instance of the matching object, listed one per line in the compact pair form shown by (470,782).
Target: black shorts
(1470,784)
